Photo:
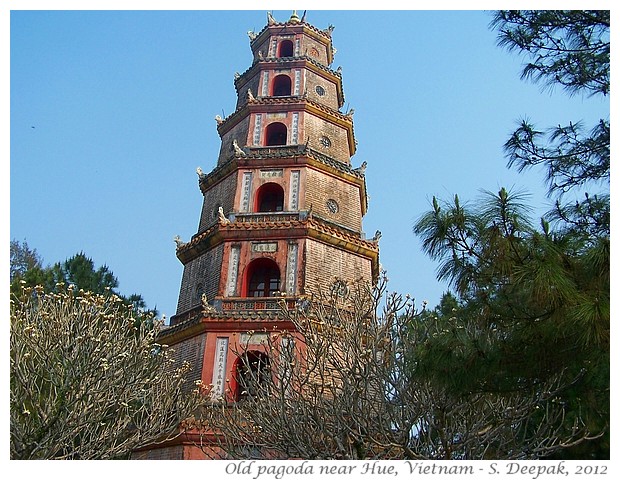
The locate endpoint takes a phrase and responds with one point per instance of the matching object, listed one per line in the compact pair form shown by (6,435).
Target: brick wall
(316,127)
(310,45)
(191,350)
(321,187)
(221,194)
(254,85)
(164,453)
(201,275)
(240,133)
(325,264)
(330,98)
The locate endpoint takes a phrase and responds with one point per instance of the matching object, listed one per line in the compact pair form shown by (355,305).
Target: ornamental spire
(294,18)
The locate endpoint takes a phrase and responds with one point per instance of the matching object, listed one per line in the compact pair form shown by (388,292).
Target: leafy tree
(529,284)
(86,381)
(22,259)
(571,49)
(346,385)
(78,270)
(534,300)
(26,266)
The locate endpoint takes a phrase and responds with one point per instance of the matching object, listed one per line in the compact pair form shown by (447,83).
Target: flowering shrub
(87,380)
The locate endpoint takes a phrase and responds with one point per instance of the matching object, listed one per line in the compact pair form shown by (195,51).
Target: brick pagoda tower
(282,210)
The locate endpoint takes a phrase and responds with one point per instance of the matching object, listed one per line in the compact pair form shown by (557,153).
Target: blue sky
(112,111)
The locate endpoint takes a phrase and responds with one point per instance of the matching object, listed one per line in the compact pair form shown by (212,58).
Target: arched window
(269,198)
(285,49)
(252,374)
(281,86)
(275,134)
(262,278)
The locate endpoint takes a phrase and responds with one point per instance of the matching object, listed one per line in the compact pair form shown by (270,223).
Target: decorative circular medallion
(314,52)
(320,90)
(326,142)
(332,205)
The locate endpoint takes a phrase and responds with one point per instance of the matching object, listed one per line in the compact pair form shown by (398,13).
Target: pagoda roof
(284,152)
(241,80)
(296,24)
(242,320)
(300,101)
(311,227)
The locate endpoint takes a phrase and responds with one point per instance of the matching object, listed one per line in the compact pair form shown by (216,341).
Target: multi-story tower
(282,210)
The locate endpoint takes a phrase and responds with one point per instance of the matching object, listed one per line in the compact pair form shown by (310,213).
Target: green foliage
(568,47)
(520,282)
(533,303)
(571,157)
(78,270)
(23,259)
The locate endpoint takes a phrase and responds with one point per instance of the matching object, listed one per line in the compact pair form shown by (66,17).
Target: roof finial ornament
(294,18)
(221,217)
(238,150)
(270,19)
(303,17)
(362,168)
(329,29)
(206,306)
(252,35)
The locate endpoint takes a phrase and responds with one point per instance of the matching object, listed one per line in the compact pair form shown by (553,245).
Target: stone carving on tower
(282,210)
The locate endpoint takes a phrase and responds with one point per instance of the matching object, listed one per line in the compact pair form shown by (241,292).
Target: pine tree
(534,300)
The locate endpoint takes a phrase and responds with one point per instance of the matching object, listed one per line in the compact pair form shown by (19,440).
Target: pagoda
(282,211)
